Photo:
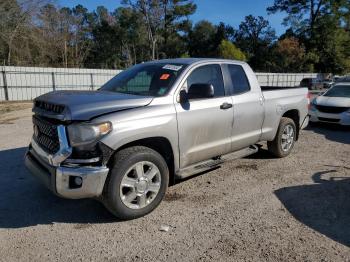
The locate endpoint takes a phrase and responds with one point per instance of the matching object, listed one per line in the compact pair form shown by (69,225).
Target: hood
(333,101)
(85,105)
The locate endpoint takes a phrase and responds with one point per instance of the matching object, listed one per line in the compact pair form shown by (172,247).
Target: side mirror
(200,91)
(183,98)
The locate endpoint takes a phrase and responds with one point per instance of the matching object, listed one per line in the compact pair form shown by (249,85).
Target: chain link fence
(26,83)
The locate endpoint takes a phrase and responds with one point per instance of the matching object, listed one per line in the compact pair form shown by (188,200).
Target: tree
(332,44)
(323,28)
(228,50)
(290,55)
(81,32)
(223,32)
(16,19)
(133,36)
(305,16)
(176,26)
(201,40)
(106,48)
(163,19)
(254,37)
(302,15)
(64,35)
(37,32)
(50,37)
(205,38)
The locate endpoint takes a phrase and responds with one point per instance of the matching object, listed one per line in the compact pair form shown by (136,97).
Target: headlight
(82,134)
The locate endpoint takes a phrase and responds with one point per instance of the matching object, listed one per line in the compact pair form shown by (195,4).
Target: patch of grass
(7,107)
(8,121)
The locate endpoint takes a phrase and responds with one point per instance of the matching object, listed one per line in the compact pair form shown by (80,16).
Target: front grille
(46,135)
(329,119)
(331,109)
(58,109)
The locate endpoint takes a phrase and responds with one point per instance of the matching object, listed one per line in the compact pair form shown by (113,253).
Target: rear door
(248,108)
(204,125)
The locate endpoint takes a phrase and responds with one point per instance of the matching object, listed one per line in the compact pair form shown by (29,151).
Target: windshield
(339,91)
(145,79)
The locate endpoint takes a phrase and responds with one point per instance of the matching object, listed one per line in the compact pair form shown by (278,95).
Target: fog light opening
(75,182)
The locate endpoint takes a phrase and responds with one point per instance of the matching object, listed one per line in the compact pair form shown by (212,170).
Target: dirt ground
(10,111)
(254,209)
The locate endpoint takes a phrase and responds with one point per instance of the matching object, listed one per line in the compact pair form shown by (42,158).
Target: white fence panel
(26,83)
(283,79)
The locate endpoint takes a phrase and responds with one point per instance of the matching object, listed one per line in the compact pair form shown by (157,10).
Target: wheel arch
(159,144)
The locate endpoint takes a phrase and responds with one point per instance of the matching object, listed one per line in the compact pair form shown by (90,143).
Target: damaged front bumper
(72,181)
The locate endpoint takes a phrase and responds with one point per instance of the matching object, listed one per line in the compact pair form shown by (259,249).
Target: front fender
(152,121)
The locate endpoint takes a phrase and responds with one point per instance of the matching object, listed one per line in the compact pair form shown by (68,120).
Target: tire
(124,181)
(276,146)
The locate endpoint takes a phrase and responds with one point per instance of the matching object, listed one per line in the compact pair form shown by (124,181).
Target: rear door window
(239,79)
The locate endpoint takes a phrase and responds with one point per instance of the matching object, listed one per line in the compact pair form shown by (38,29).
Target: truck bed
(272,88)
(279,100)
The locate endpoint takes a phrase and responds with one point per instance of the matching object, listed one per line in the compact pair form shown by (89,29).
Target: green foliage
(167,24)
(228,50)
(37,32)
(205,38)
(185,55)
(201,40)
(15,31)
(255,37)
(323,27)
(289,55)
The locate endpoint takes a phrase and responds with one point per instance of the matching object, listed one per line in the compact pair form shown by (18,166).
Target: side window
(239,79)
(208,74)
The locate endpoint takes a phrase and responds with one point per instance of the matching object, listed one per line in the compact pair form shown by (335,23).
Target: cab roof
(189,61)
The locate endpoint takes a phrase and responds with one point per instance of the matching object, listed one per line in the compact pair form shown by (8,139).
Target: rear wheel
(285,138)
(137,182)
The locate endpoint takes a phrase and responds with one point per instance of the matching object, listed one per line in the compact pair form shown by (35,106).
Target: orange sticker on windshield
(164,76)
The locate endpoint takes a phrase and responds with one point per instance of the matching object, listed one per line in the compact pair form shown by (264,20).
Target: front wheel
(137,182)
(285,138)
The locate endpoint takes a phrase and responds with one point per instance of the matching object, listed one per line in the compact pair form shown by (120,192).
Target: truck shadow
(336,133)
(25,202)
(323,206)
(261,154)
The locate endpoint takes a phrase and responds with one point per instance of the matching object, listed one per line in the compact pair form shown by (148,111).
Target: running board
(209,164)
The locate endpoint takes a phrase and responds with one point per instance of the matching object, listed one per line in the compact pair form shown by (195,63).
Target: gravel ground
(253,209)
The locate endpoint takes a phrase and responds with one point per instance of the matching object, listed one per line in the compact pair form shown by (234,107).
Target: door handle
(225,106)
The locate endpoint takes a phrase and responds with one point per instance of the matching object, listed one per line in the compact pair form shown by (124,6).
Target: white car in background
(333,106)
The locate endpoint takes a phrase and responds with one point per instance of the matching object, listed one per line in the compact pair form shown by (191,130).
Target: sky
(228,11)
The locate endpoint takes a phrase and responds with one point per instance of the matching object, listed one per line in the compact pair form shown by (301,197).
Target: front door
(204,125)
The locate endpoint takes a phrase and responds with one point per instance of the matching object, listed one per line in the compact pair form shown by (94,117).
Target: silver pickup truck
(154,123)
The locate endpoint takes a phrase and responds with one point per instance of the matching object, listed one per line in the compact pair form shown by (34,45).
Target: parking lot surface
(253,209)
